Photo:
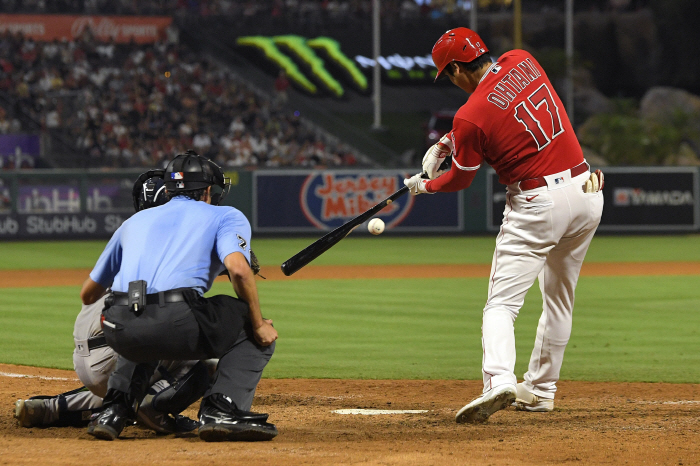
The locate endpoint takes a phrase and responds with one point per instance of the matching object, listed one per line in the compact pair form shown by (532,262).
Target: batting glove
(435,155)
(594,183)
(416,185)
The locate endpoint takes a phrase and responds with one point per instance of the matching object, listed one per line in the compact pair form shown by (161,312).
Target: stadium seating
(131,105)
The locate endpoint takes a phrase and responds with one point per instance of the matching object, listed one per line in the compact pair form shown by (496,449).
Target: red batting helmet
(458,44)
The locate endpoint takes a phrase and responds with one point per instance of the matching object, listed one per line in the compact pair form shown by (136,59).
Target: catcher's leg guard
(183,392)
(73,413)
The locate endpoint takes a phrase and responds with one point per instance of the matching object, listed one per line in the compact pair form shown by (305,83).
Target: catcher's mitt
(254,264)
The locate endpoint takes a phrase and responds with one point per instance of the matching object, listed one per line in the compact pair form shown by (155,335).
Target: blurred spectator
(281,87)
(8,125)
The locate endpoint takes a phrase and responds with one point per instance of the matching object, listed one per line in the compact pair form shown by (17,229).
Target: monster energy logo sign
(319,65)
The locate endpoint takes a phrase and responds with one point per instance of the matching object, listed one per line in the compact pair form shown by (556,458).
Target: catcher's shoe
(216,424)
(109,423)
(163,423)
(30,413)
(528,401)
(482,408)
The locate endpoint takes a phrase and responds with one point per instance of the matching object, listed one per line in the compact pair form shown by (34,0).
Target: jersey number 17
(542,96)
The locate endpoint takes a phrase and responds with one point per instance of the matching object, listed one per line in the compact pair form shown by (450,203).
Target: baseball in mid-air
(376,226)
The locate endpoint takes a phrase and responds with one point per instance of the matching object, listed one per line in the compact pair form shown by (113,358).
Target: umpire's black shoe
(109,423)
(219,422)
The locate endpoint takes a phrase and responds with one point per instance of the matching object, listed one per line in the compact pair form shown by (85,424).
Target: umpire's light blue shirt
(181,244)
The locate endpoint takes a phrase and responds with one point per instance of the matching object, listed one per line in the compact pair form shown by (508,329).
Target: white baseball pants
(545,234)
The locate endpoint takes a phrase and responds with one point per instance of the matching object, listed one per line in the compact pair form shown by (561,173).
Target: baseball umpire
(515,121)
(159,264)
(174,386)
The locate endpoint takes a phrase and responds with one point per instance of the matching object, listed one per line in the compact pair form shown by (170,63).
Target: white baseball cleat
(482,408)
(528,401)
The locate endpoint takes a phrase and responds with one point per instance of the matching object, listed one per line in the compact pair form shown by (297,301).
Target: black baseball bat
(323,244)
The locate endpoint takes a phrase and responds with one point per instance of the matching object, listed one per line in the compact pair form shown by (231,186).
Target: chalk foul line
(42,377)
(375,412)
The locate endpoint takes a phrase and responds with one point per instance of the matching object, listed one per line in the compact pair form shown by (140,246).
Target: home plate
(375,412)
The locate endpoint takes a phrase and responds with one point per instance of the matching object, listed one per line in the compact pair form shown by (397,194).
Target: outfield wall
(61,204)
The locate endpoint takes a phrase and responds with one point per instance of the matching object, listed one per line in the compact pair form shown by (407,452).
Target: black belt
(96,342)
(533,183)
(170,296)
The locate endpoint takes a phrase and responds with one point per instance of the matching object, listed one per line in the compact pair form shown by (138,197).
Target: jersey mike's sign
(313,201)
(328,200)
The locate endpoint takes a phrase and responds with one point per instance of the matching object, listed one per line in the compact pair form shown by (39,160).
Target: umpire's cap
(190,171)
(458,44)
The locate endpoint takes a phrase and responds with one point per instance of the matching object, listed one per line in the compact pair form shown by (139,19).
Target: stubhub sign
(60,226)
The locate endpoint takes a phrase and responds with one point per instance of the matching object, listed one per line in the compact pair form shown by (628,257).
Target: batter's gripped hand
(416,185)
(434,157)
(266,334)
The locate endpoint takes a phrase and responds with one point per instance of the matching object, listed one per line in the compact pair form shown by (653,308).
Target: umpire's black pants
(199,328)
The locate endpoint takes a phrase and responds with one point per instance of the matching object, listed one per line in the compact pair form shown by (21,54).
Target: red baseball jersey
(515,122)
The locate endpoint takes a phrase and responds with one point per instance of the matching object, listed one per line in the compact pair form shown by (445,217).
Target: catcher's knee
(185,391)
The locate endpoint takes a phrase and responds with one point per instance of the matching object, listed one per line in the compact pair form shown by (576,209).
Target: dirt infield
(593,423)
(69,277)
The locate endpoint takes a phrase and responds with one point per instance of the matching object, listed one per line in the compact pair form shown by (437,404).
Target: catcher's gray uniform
(94,361)
(93,366)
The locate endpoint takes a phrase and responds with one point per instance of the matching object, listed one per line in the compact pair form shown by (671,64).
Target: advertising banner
(65,198)
(636,199)
(18,150)
(121,29)
(319,66)
(59,226)
(659,199)
(309,202)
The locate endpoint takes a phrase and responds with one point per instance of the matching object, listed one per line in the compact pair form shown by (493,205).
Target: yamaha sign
(648,199)
(625,197)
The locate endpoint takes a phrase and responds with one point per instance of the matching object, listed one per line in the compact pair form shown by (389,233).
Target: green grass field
(625,328)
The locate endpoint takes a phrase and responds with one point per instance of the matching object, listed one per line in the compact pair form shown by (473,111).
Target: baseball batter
(515,122)
(94,361)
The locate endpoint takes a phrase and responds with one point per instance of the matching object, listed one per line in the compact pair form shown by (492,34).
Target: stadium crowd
(315,10)
(125,105)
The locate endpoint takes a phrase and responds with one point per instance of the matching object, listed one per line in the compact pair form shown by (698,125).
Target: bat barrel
(327,241)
